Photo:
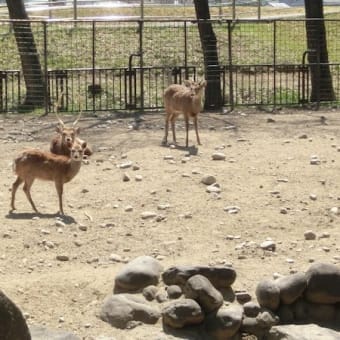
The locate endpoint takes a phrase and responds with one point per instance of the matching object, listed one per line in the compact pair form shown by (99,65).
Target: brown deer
(67,135)
(34,164)
(186,99)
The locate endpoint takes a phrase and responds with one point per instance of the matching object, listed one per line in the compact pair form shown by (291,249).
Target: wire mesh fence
(126,64)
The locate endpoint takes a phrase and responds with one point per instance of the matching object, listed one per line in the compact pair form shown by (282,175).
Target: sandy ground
(267,174)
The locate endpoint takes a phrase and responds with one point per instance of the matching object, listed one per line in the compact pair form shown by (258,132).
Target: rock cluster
(310,297)
(201,297)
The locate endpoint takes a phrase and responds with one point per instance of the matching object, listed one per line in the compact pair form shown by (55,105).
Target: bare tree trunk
(30,63)
(213,97)
(321,78)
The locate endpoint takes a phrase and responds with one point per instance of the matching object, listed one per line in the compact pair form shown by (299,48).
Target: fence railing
(126,64)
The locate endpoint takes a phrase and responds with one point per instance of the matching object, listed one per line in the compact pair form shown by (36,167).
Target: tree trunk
(213,97)
(322,86)
(30,63)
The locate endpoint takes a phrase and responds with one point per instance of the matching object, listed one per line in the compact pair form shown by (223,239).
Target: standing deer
(34,164)
(61,143)
(186,99)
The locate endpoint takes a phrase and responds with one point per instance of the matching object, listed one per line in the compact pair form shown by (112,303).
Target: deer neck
(73,169)
(197,104)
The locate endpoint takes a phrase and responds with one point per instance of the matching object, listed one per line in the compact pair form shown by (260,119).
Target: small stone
(126,177)
(59,223)
(218,156)
(168,157)
(214,188)
(148,214)
(62,258)
(125,165)
(208,179)
(334,210)
(309,235)
(313,197)
(268,245)
(115,258)
(314,160)
(232,209)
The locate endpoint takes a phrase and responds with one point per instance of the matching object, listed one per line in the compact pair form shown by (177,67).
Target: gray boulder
(150,292)
(122,310)
(321,313)
(225,323)
(43,333)
(268,294)
(286,314)
(323,282)
(139,273)
(219,276)
(200,289)
(300,310)
(301,332)
(12,323)
(251,309)
(291,287)
(181,313)
(174,291)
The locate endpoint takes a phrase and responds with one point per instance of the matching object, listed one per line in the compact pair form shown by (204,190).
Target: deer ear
(203,83)
(83,145)
(187,83)
(77,130)
(58,128)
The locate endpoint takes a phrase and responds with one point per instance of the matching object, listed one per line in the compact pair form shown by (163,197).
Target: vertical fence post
(230,57)
(274,61)
(46,85)
(93,65)
(186,50)
(141,32)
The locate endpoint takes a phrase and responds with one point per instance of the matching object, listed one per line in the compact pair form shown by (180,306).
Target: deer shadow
(28,216)
(192,150)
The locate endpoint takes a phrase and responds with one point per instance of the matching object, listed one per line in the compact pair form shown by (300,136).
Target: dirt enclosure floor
(267,177)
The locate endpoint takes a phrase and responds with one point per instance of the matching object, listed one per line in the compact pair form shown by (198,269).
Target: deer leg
(173,120)
(27,190)
(196,129)
(59,187)
(15,186)
(165,139)
(186,130)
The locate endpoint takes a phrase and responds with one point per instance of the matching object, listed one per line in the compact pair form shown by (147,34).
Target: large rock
(121,309)
(291,287)
(12,323)
(323,282)
(200,289)
(42,333)
(225,323)
(301,332)
(219,276)
(139,273)
(268,294)
(181,313)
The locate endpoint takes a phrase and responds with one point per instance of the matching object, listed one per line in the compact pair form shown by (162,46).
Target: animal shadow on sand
(28,216)
(192,150)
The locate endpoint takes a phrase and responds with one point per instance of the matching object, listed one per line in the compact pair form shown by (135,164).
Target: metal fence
(126,64)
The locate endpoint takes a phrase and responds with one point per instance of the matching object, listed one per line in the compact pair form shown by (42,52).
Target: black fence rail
(126,64)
